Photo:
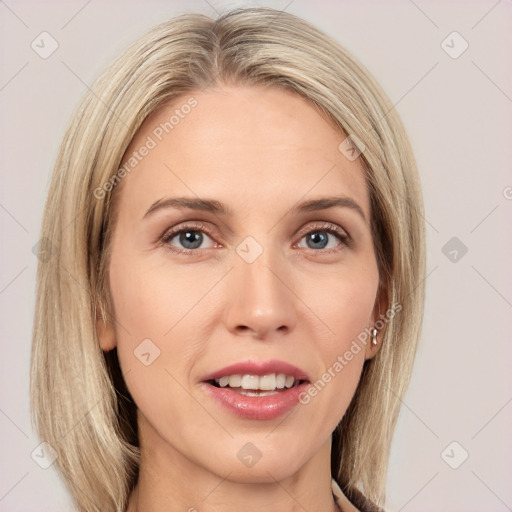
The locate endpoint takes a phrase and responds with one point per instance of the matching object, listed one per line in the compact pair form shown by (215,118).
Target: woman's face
(242,263)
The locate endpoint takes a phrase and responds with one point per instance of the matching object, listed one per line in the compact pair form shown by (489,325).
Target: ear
(377,321)
(106,334)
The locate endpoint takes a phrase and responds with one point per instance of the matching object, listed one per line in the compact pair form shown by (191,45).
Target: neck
(170,481)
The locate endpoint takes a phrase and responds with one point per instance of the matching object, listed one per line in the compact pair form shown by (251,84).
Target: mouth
(257,390)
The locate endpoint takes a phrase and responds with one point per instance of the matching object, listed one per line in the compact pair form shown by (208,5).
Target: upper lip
(258,368)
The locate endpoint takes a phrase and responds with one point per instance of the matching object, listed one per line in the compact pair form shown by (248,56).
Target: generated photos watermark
(344,359)
(151,142)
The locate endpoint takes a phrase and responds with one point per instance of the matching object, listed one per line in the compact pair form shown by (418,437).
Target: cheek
(345,303)
(150,300)
(153,309)
(162,313)
(147,305)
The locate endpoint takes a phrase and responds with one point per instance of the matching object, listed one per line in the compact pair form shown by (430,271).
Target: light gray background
(458,115)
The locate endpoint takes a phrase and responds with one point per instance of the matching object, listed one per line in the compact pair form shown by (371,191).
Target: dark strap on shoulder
(362,503)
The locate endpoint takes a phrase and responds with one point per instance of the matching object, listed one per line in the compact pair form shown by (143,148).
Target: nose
(262,303)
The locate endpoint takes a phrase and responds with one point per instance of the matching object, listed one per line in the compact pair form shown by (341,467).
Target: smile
(255,385)
(258,391)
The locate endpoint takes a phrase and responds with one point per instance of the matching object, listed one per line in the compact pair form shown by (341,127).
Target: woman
(231,313)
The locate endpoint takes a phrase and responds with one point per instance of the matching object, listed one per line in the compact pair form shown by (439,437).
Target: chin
(250,464)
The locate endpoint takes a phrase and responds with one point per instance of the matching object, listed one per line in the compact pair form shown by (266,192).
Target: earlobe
(377,327)
(373,345)
(106,335)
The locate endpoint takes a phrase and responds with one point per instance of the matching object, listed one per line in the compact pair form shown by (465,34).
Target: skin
(259,151)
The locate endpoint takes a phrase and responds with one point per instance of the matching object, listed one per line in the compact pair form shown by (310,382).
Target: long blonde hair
(79,401)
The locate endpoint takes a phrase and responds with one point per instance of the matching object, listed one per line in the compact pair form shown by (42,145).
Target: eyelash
(169,235)
(326,227)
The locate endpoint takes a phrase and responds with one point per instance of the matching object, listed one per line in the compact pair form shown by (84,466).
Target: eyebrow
(191,203)
(213,206)
(325,203)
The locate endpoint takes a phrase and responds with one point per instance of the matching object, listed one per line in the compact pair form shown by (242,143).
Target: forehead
(246,146)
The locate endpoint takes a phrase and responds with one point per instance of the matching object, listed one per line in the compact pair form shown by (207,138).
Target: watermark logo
(454,249)
(147,352)
(44,455)
(249,455)
(351,147)
(454,45)
(44,45)
(44,250)
(454,455)
(249,249)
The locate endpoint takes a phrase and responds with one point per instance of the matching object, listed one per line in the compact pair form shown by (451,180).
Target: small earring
(374,336)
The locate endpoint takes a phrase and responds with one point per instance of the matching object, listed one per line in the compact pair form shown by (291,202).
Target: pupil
(191,237)
(318,238)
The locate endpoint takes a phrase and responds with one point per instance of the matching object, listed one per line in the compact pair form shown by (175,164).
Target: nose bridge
(261,301)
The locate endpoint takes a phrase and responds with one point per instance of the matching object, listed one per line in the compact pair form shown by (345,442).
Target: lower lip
(257,407)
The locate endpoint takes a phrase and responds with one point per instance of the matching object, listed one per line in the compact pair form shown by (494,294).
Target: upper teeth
(265,382)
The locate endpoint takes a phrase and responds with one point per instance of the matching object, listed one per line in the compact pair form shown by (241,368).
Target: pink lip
(257,407)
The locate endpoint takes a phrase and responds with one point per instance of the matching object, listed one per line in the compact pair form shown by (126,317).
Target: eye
(325,237)
(188,238)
